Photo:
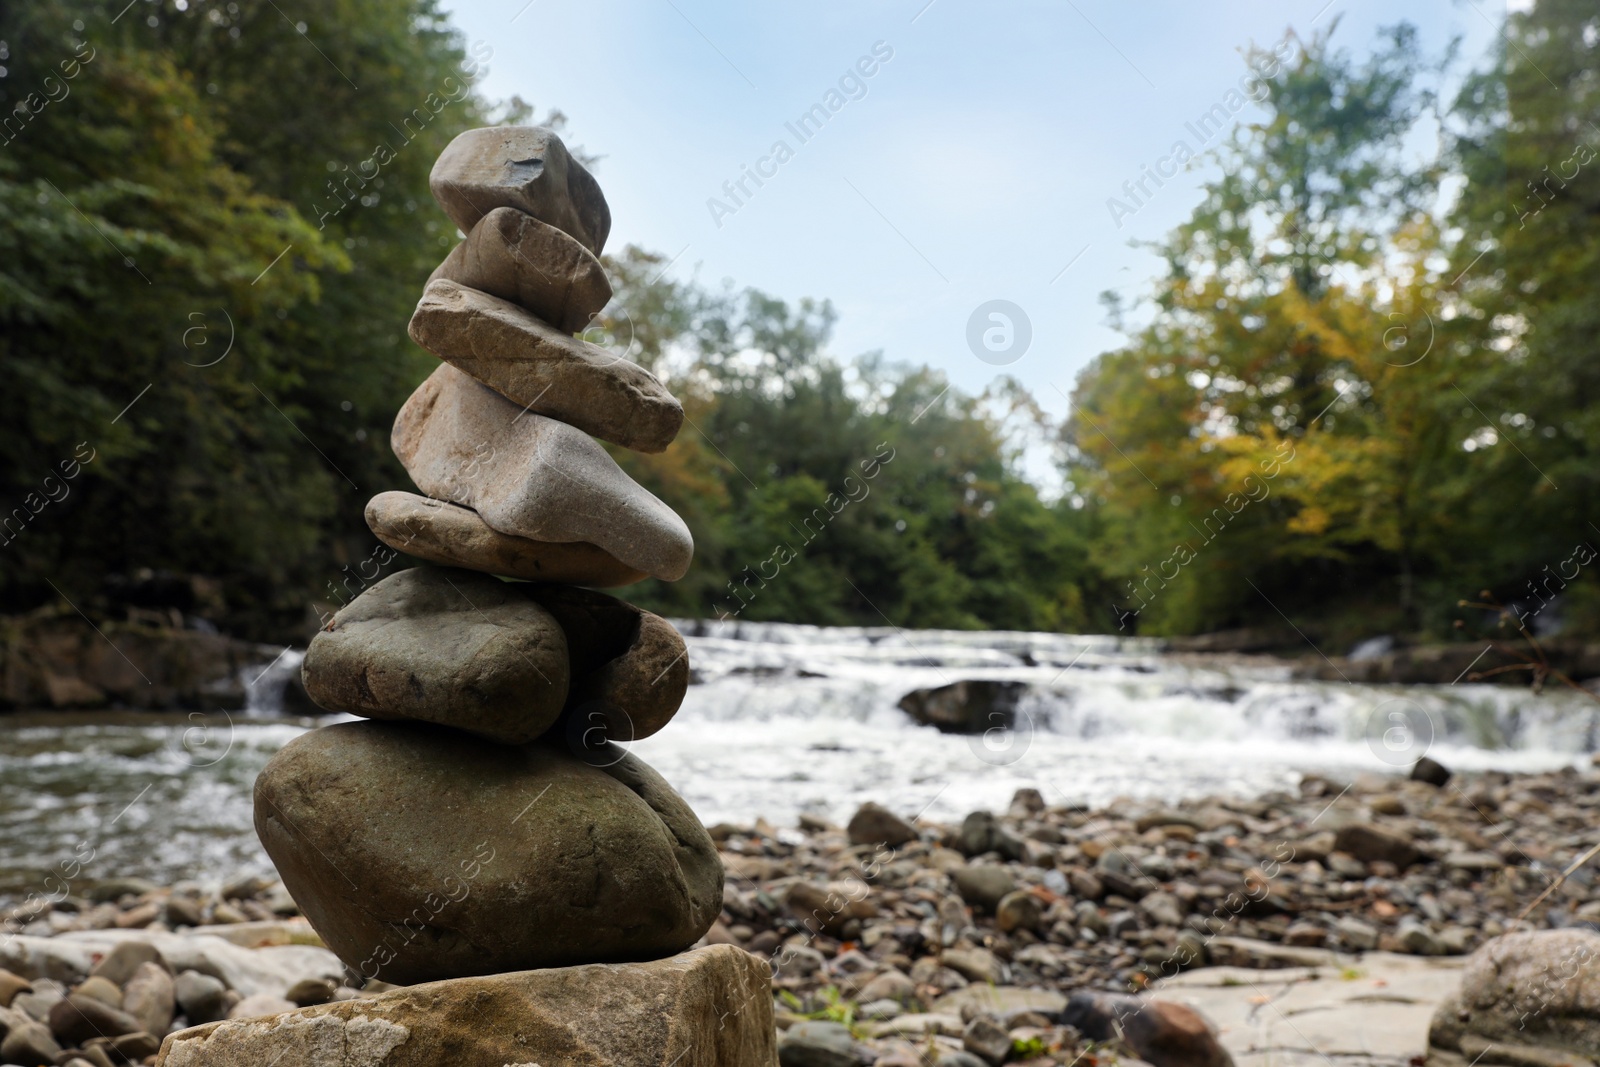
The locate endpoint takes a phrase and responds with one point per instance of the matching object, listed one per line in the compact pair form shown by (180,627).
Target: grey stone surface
(1525,998)
(1372,1009)
(420,853)
(524,167)
(532,477)
(543,370)
(447,646)
(449,534)
(512,255)
(630,668)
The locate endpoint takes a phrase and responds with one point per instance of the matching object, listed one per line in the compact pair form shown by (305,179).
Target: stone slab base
(711,1007)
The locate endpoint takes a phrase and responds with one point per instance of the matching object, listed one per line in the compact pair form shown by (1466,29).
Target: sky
(974,164)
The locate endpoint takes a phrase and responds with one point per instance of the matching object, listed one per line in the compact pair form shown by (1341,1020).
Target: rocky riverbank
(893,940)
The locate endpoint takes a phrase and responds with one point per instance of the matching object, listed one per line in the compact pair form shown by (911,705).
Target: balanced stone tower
(482,818)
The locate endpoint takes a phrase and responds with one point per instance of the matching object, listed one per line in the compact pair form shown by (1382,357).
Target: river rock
(981,832)
(512,255)
(829,908)
(124,961)
(101,989)
(446,646)
(76,1019)
(135,1047)
(817,1043)
(983,885)
(874,824)
(1161,1032)
(202,997)
(986,1039)
(630,668)
(10,986)
(524,167)
(29,1042)
(1019,910)
(543,370)
(445,533)
(975,965)
(1375,844)
(709,1008)
(542,860)
(150,998)
(532,477)
(1427,769)
(311,991)
(1531,997)
(967,707)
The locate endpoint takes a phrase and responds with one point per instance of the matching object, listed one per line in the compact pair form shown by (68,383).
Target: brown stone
(525,167)
(441,532)
(149,998)
(1376,844)
(533,477)
(76,1019)
(828,908)
(708,1008)
(874,824)
(453,647)
(630,668)
(514,256)
(1161,1032)
(421,853)
(10,986)
(134,1047)
(543,370)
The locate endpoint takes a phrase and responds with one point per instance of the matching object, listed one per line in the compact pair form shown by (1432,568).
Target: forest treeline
(1364,386)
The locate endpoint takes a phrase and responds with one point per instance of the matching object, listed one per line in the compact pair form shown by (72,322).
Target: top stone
(523,167)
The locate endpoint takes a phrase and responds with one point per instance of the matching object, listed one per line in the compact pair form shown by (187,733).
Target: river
(784,719)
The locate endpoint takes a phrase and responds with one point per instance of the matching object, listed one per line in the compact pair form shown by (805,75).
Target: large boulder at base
(966,707)
(1163,1033)
(525,167)
(532,477)
(630,668)
(543,370)
(708,1008)
(1526,998)
(449,534)
(516,257)
(447,646)
(421,853)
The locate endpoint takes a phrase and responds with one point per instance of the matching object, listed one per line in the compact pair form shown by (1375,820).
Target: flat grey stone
(708,1008)
(525,167)
(441,532)
(512,255)
(543,370)
(532,477)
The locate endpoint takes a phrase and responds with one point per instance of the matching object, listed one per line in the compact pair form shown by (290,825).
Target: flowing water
(784,719)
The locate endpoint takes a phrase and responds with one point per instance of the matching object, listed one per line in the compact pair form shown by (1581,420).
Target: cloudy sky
(973,163)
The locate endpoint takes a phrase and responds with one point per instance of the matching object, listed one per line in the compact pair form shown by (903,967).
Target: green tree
(832,493)
(1529,406)
(199,143)
(1254,435)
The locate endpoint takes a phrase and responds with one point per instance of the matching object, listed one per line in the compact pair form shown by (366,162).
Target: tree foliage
(1363,385)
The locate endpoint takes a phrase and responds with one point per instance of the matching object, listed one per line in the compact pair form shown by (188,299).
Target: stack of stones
(484,818)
